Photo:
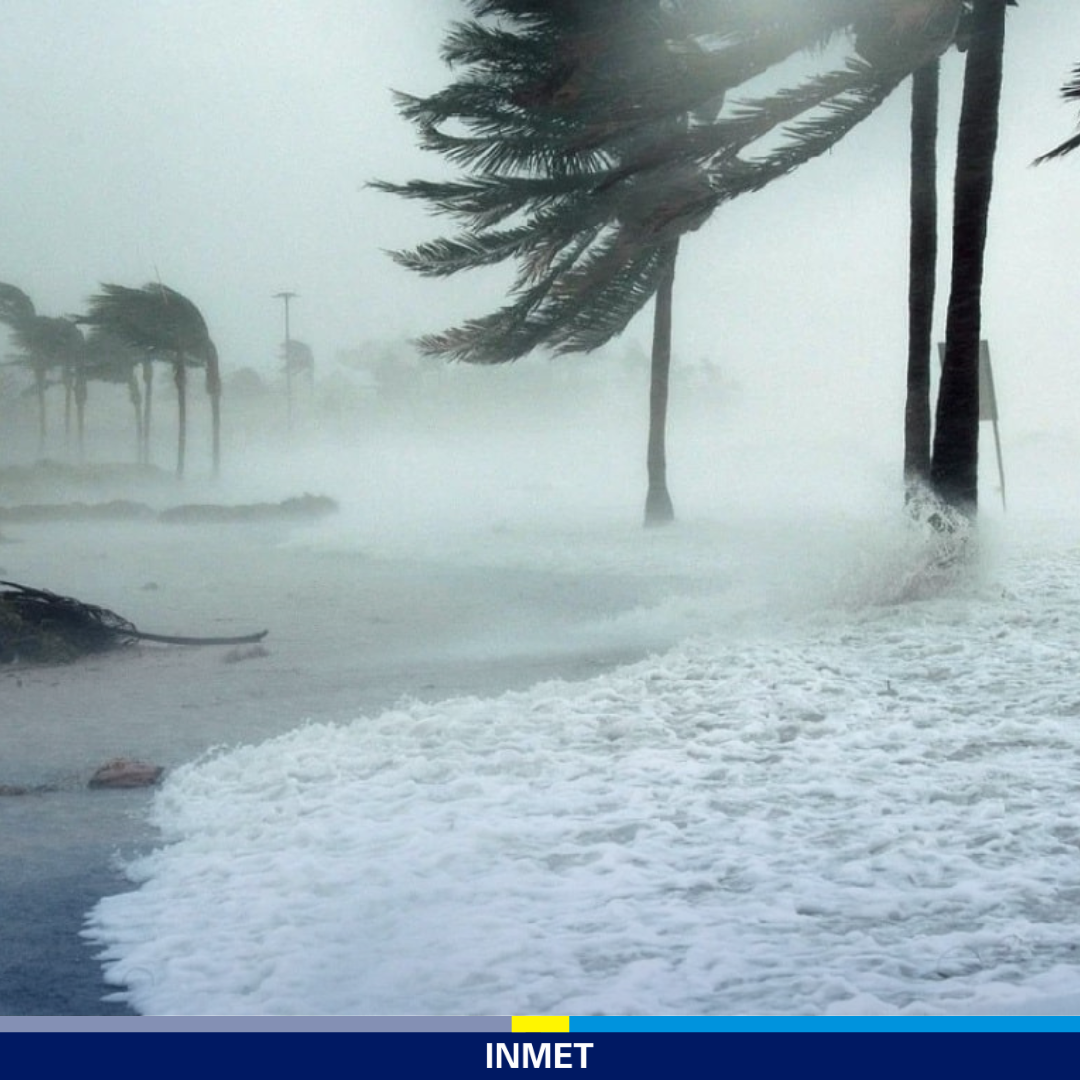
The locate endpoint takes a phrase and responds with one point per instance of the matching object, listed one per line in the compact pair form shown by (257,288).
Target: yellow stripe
(539,1023)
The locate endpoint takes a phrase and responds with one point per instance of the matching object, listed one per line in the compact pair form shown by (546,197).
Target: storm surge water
(837,779)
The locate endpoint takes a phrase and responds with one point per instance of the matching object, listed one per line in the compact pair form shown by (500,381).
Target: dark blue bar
(623,1056)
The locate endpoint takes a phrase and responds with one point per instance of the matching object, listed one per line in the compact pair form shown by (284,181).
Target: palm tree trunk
(39,386)
(136,403)
(658,507)
(180,376)
(80,411)
(148,383)
(215,419)
(922,273)
(954,469)
(69,386)
(213,388)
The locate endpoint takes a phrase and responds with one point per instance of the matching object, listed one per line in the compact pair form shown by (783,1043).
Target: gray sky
(224,147)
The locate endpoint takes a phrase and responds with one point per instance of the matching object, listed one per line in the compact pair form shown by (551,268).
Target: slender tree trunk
(922,272)
(39,385)
(180,376)
(955,467)
(148,383)
(658,507)
(69,387)
(215,419)
(213,388)
(80,411)
(135,397)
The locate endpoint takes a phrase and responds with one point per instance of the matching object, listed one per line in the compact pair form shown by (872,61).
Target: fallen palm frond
(42,627)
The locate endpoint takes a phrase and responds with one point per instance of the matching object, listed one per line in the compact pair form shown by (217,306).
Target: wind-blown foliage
(46,342)
(593,135)
(166,325)
(154,318)
(1070,92)
(591,138)
(111,359)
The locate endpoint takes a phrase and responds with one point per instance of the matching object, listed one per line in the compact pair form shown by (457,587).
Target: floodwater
(349,635)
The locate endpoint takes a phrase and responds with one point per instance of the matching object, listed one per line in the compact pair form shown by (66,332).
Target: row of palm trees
(127,330)
(594,135)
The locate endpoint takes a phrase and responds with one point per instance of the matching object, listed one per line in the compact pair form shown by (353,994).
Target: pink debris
(124,773)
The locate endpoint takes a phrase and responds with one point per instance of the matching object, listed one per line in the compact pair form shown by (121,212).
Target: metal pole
(287,296)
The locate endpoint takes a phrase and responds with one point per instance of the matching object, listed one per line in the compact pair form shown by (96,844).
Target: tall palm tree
(584,171)
(47,343)
(167,325)
(955,460)
(922,275)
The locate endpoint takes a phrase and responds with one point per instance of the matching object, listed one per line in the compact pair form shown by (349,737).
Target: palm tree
(954,465)
(169,326)
(47,342)
(1070,92)
(922,275)
(658,506)
(109,359)
(585,171)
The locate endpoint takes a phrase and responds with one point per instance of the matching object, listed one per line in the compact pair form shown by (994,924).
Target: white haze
(225,149)
(488,539)
(834,782)
(773,678)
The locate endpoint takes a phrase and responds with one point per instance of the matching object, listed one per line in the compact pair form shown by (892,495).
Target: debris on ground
(124,773)
(38,626)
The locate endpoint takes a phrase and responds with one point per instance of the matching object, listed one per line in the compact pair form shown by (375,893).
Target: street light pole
(286,297)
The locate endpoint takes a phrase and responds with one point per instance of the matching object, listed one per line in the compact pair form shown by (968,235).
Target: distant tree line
(127,331)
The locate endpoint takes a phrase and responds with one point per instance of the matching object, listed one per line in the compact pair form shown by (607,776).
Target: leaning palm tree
(167,325)
(46,343)
(582,170)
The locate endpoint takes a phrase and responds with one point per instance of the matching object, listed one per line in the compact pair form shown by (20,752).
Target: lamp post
(286,297)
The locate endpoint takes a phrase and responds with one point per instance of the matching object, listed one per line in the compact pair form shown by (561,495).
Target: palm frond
(592,138)
(1070,91)
(154,318)
(16,308)
(802,141)
(38,625)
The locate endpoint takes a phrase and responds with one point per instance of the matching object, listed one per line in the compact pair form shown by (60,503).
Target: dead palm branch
(38,625)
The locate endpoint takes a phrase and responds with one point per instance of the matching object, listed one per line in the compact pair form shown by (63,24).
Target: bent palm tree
(168,325)
(585,171)
(47,342)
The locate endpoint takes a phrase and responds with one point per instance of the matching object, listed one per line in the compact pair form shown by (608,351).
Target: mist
(485,557)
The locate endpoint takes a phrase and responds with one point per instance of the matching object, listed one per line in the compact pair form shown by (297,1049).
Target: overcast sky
(224,147)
